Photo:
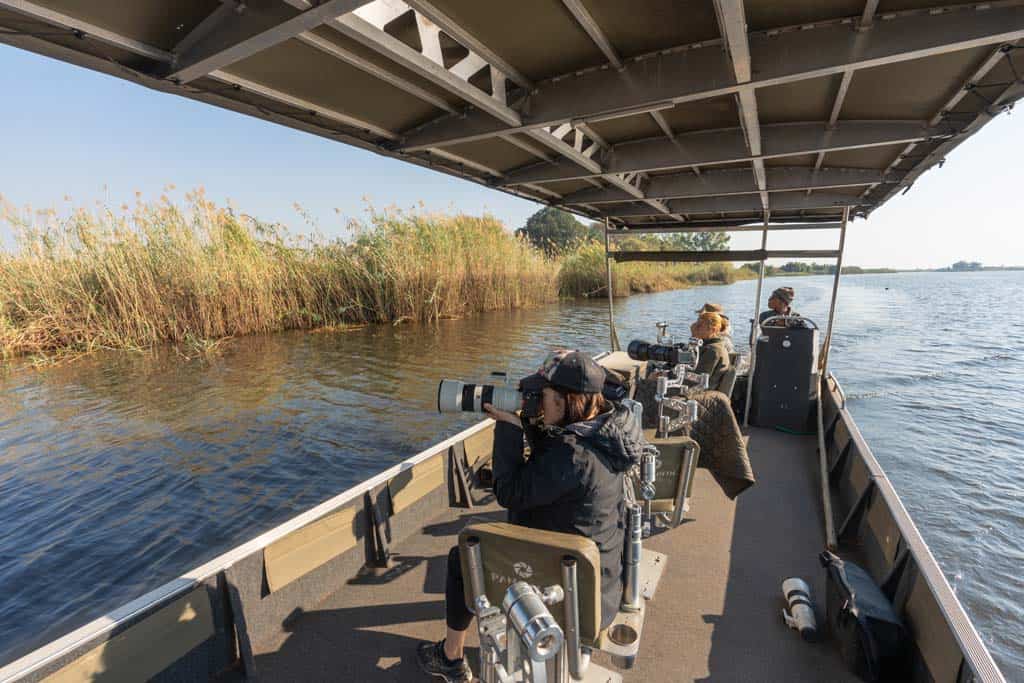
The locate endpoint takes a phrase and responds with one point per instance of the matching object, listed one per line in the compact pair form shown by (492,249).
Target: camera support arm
(687,409)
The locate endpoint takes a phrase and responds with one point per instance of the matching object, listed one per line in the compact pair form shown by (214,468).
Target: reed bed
(194,273)
(168,273)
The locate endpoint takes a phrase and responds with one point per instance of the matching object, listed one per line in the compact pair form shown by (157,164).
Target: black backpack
(871,637)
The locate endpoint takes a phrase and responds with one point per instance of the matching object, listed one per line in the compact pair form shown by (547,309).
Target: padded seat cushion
(513,553)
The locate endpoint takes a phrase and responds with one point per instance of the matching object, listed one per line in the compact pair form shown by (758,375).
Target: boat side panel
(479,447)
(882,537)
(189,637)
(299,553)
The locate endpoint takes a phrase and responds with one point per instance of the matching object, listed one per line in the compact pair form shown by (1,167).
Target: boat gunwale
(175,588)
(976,654)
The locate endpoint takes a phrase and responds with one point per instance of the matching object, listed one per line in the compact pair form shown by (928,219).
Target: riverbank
(168,273)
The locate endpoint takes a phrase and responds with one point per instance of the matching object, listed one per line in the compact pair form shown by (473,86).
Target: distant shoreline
(856,270)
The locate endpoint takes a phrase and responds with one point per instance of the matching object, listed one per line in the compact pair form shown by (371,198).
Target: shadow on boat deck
(716,616)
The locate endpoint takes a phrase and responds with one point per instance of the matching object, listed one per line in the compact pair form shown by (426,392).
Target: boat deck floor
(716,615)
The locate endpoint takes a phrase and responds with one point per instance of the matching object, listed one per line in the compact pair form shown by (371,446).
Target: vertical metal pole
(476,568)
(634,551)
(681,483)
(754,327)
(827,344)
(571,605)
(613,338)
(826,494)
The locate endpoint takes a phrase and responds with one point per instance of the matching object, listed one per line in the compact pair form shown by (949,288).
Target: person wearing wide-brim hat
(726,333)
(779,303)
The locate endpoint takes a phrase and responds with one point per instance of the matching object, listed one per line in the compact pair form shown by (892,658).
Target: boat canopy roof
(650,113)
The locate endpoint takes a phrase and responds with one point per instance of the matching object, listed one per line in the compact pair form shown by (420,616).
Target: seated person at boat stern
(572,482)
(779,303)
(714,356)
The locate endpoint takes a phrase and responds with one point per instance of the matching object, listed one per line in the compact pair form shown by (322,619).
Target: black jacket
(573,483)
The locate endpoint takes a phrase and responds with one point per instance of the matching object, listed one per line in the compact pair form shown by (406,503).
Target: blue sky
(67,131)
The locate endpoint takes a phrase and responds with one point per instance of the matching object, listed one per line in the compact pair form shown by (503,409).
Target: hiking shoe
(432,660)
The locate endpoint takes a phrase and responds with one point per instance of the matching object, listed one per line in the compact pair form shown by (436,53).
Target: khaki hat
(710,308)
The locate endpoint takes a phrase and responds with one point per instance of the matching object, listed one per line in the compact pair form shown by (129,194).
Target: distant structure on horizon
(964,266)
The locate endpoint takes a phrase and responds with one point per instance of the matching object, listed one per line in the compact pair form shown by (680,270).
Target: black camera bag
(871,637)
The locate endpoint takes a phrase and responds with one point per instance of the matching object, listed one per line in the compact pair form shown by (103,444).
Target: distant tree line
(800,268)
(558,232)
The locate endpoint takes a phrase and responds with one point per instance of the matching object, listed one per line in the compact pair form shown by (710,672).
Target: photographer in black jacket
(572,482)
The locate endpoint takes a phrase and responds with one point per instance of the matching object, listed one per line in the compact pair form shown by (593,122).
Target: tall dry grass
(197,272)
(169,273)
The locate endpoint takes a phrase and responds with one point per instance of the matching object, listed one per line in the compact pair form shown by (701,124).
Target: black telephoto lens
(659,353)
(637,350)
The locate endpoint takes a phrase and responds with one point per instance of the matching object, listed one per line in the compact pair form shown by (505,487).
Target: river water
(120,471)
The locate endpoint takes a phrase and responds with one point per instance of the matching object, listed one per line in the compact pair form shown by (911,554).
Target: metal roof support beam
(732,23)
(226,11)
(659,119)
(701,73)
(587,23)
(729,146)
(867,17)
(575,152)
(719,228)
(540,189)
(585,144)
(990,63)
(284,98)
(719,256)
(463,161)
(782,202)
(469,41)
(719,182)
(837,106)
(35,11)
(366,26)
(527,147)
(249,32)
(727,223)
(331,48)
(1012,92)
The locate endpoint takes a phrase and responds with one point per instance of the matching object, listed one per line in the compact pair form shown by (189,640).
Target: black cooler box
(786,379)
